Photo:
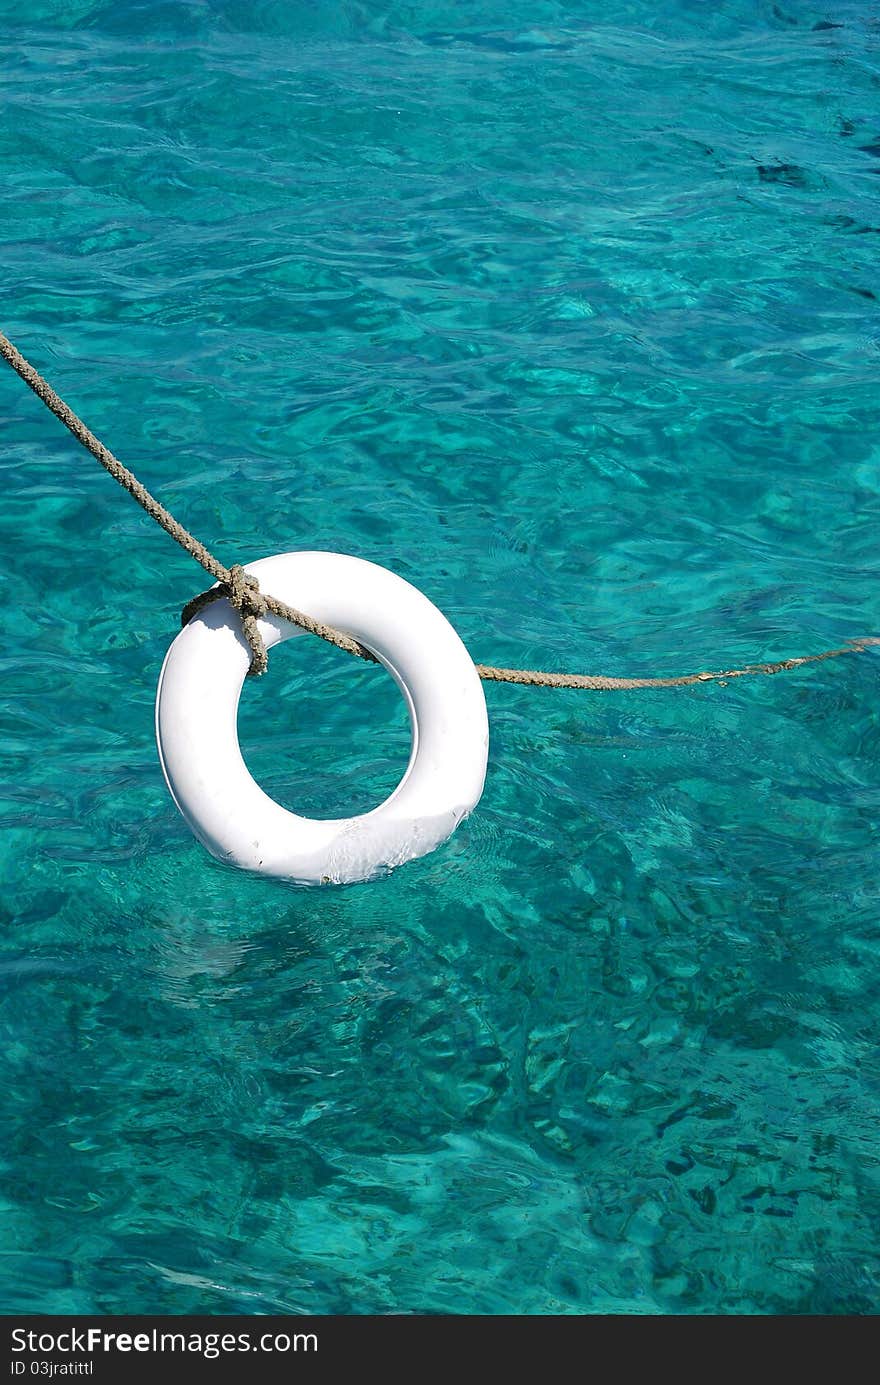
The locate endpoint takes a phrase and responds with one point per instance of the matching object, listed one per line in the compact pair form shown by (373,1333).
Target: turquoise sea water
(567,313)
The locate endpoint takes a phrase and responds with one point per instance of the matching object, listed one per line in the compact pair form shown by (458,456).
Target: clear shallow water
(566,313)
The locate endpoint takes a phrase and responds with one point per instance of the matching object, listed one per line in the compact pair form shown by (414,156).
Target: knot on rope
(243,592)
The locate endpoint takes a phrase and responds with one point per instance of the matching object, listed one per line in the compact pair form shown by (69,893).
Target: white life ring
(196,725)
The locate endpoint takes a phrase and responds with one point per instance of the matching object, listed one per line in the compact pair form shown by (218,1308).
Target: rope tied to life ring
(243,589)
(244,594)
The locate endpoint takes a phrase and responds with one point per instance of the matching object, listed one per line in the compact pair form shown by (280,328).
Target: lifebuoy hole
(324,734)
